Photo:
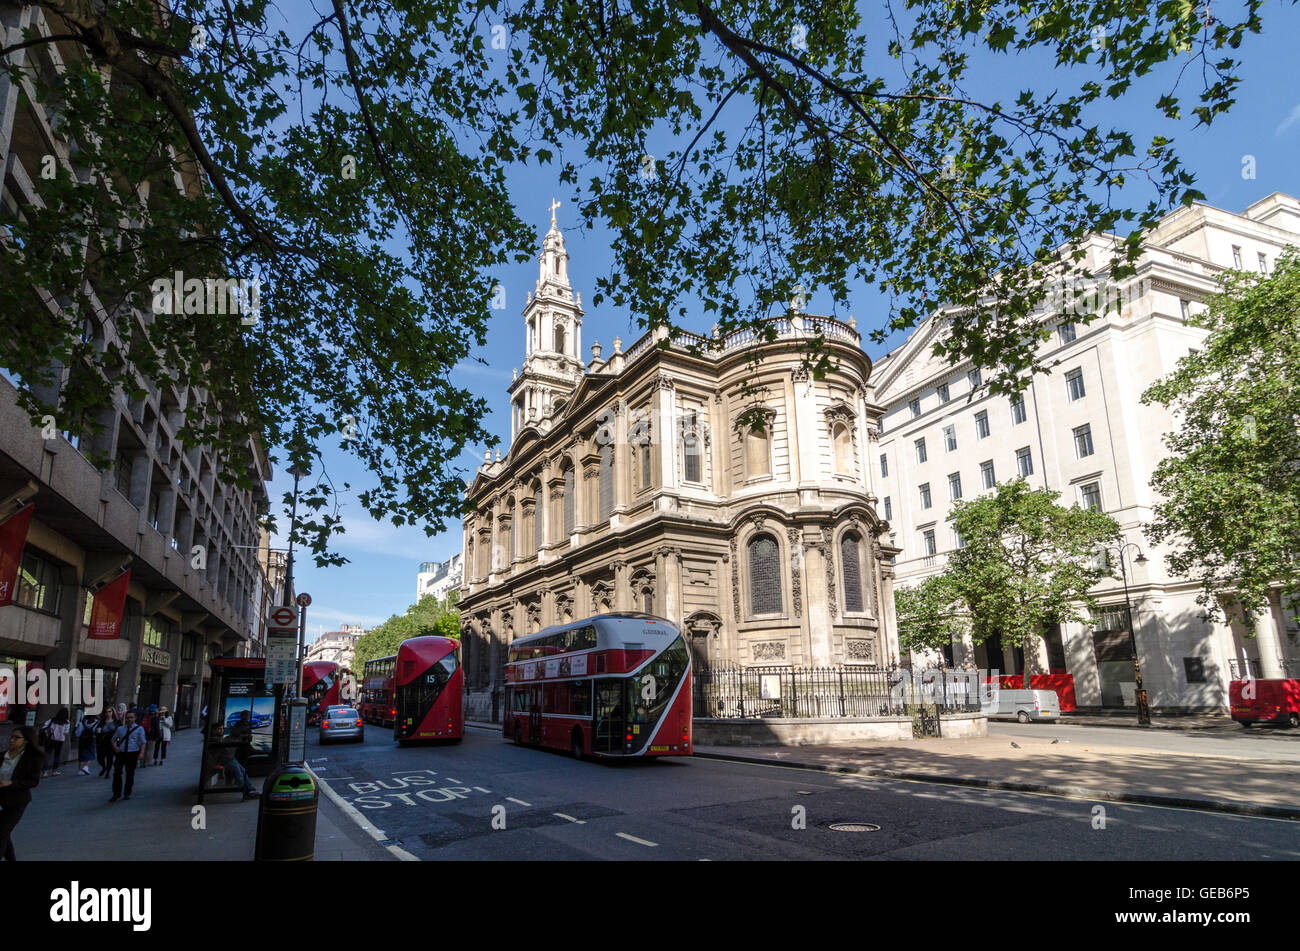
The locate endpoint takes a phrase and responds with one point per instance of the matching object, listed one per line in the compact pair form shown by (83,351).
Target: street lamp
(1143,708)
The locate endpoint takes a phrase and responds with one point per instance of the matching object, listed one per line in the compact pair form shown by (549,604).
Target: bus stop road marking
(351,811)
(450,780)
(581,822)
(632,838)
(481,789)
(519,801)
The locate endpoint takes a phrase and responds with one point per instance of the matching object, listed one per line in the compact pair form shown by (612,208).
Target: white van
(1022,705)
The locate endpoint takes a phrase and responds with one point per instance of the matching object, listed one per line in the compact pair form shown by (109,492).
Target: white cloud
(405,543)
(1292,118)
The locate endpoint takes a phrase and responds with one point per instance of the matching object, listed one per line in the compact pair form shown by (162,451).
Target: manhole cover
(854,827)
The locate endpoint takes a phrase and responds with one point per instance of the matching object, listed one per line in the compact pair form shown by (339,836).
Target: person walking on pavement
(165,726)
(86,743)
(104,731)
(145,719)
(20,771)
(57,729)
(128,741)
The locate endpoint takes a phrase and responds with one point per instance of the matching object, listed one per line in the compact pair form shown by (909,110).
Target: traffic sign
(284,617)
(304,600)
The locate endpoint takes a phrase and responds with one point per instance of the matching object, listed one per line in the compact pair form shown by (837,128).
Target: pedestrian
(86,743)
(165,726)
(20,771)
(242,734)
(104,731)
(145,719)
(56,728)
(128,741)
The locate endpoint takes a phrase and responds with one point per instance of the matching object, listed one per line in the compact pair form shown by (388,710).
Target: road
(1258,743)
(489,799)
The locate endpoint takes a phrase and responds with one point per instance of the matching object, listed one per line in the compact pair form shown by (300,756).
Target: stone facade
(708,481)
(1082,430)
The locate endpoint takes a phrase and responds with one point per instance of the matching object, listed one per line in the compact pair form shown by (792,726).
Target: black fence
(734,691)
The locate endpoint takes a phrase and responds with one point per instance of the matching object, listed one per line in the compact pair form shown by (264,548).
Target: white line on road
(581,822)
(450,780)
(402,854)
(348,809)
(481,789)
(632,838)
(520,801)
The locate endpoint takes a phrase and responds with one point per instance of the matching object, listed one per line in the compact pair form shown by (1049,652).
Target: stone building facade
(708,481)
(1081,429)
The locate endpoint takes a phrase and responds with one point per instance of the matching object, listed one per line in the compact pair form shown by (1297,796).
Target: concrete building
(337,647)
(440,578)
(160,508)
(654,480)
(1082,430)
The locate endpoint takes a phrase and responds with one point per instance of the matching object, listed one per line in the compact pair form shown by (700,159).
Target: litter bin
(286,816)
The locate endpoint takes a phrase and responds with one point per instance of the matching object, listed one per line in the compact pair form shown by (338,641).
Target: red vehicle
(377,691)
(613,685)
(1265,701)
(428,690)
(320,685)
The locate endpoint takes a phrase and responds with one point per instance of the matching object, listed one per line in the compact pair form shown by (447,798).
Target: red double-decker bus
(377,691)
(428,690)
(320,685)
(612,685)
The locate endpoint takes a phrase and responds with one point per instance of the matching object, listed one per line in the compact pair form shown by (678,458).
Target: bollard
(286,816)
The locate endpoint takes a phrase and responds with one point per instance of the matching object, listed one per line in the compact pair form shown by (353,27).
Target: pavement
(70,818)
(1089,765)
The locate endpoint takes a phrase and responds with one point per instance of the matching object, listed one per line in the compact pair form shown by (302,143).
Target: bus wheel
(576,745)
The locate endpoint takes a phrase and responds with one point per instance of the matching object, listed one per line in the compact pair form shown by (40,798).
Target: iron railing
(772,691)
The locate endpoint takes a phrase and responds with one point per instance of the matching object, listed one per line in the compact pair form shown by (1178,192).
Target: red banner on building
(106,612)
(13,538)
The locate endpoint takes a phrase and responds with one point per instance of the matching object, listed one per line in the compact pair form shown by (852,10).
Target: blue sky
(380,579)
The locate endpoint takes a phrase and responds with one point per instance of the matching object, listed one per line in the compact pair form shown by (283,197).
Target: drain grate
(854,827)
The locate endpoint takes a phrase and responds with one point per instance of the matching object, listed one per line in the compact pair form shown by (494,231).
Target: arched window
(764,575)
(559,339)
(850,558)
(568,500)
(606,482)
(692,458)
(758,452)
(843,449)
(532,334)
(648,600)
(538,539)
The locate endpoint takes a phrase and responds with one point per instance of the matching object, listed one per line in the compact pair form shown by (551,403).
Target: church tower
(552,338)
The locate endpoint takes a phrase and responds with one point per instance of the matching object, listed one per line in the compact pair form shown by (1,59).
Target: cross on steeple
(554,204)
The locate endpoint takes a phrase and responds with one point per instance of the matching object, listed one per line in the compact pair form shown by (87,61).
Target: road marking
(349,810)
(632,838)
(520,801)
(481,789)
(450,780)
(402,854)
(581,822)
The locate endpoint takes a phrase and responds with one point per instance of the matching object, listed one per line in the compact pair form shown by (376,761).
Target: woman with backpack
(56,728)
(104,731)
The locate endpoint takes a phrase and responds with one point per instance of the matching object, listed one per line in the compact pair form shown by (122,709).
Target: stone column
(807,433)
(1267,625)
(622,589)
(622,460)
(819,564)
(665,434)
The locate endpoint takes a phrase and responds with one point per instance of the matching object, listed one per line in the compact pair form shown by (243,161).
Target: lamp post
(1143,708)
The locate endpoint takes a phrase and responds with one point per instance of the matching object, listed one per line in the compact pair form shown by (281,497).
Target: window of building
(915,407)
(569,489)
(1083,440)
(987,479)
(758,450)
(1018,409)
(122,474)
(976,378)
(1194,668)
(1090,494)
(1236,256)
(1069,333)
(920,449)
(884,466)
(1263,263)
(37,584)
(950,438)
(982,425)
(927,542)
(1184,309)
(957,540)
(850,559)
(764,575)
(925,495)
(157,633)
(1074,385)
(1025,461)
(943,393)
(559,339)
(954,486)
(843,440)
(692,457)
(889,510)
(189,647)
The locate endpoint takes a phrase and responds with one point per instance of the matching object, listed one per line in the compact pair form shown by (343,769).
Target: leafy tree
(1229,506)
(744,155)
(1027,561)
(426,617)
(930,614)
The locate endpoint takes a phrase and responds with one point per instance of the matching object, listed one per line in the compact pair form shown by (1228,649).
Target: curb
(1069,792)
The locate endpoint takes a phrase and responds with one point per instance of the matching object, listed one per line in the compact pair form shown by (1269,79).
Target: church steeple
(552,336)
